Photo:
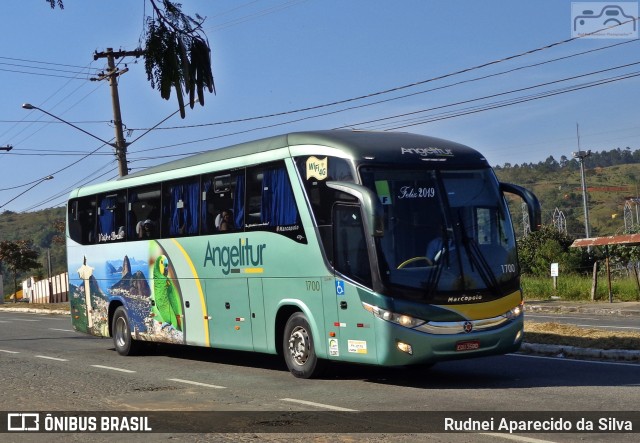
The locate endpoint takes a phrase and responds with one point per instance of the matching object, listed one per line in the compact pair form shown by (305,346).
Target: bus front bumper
(399,346)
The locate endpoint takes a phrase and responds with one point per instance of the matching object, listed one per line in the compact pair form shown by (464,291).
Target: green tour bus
(380,248)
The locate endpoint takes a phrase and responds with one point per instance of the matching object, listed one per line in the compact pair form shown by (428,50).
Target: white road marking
(189,382)
(319,405)
(52,358)
(25,319)
(62,330)
(516,437)
(9,352)
(114,369)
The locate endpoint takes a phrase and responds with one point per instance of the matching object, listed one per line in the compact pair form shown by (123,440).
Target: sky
(499,76)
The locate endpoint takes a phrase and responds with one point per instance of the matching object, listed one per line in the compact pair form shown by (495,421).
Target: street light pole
(48,177)
(581,155)
(119,146)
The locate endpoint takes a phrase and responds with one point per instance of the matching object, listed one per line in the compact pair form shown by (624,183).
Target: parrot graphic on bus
(167,306)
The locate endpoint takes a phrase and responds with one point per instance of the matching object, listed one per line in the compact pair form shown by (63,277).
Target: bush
(540,248)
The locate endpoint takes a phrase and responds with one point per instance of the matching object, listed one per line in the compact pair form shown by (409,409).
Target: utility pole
(580,156)
(113,74)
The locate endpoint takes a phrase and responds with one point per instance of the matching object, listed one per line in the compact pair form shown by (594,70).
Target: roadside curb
(35,310)
(593,310)
(561,351)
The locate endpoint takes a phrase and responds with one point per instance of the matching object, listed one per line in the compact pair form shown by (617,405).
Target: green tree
(540,248)
(177,53)
(18,256)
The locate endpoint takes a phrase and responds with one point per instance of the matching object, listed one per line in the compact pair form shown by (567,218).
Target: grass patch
(568,335)
(577,287)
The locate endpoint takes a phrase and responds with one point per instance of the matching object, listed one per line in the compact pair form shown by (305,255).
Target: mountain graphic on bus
(154,305)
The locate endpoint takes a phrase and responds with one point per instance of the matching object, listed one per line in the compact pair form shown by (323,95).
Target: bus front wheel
(299,350)
(121,331)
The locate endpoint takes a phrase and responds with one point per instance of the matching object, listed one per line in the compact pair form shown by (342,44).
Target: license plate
(469,345)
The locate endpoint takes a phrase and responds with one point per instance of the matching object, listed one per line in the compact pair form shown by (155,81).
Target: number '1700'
(509,267)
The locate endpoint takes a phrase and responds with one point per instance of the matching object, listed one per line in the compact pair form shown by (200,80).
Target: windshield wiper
(476,257)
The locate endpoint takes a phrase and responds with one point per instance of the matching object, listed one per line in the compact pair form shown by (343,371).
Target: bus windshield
(446,232)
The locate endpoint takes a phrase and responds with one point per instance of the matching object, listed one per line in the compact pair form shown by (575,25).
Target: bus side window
(111,217)
(144,213)
(270,201)
(180,208)
(221,192)
(82,220)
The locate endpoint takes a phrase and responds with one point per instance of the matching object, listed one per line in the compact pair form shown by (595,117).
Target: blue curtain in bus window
(191,201)
(184,218)
(107,219)
(206,218)
(278,205)
(178,214)
(132,220)
(238,202)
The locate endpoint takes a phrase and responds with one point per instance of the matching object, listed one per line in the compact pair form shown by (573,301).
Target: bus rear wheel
(121,331)
(299,350)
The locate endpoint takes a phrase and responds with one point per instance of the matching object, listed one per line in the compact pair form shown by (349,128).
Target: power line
(492,95)
(521,100)
(258,14)
(15,71)
(45,68)
(42,62)
(311,108)
(385,118)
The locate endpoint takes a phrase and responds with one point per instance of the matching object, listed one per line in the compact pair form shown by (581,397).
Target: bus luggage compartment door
(229,313)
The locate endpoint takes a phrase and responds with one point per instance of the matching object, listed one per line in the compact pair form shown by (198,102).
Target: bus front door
(353,274)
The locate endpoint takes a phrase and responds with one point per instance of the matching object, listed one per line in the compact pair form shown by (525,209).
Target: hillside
(608,189)
(39,227)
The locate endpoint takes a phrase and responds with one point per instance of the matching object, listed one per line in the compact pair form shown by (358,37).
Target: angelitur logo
(243,257)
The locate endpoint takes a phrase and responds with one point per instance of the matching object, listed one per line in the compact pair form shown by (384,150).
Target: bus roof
(383,147)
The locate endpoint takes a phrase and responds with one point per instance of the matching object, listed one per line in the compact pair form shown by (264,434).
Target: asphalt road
(46,366)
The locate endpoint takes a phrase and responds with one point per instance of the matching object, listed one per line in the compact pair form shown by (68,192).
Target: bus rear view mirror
(533,205)
(372,208)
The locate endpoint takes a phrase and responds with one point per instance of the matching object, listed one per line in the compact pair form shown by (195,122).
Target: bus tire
(121,331)
(299,350)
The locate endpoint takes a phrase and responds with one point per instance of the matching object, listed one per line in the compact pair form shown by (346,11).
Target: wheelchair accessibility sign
(339,287)
(604,20)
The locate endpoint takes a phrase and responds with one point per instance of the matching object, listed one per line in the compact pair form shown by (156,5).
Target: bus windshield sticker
(419,192)
(382,189)
(317,168)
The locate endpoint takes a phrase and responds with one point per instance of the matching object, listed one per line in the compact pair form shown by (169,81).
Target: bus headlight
(405,347)
(400,319)
(515,312)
